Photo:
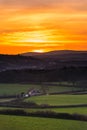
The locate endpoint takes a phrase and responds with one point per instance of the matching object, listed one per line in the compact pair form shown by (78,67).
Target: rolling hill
(60,55)
(49,60)
(50,66)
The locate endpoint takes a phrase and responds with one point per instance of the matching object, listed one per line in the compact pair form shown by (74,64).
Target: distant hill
(61,55)
(30,54)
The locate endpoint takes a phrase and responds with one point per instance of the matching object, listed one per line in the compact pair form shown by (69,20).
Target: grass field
(9,89)
(78,110)
(62,100)
(33,123)
(59,99)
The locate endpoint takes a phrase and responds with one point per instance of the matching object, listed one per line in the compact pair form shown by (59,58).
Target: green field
(9,89)
(33,123)
(59,99)
(62,100)
(77,110)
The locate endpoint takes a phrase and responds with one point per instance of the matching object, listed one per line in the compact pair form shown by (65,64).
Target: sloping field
(32,123)
(10,89)
(78,110)
(59,99)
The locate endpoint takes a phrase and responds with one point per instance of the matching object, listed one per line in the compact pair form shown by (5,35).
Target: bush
(48,114)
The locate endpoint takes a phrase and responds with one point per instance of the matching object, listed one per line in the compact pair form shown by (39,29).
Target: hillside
(49,60)
(46,67)
(60,55)
(10,62)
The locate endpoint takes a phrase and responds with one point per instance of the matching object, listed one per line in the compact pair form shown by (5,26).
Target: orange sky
(42,25)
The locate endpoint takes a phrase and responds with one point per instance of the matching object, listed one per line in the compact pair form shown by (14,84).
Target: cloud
(57,21)
(27,3)
(71,4)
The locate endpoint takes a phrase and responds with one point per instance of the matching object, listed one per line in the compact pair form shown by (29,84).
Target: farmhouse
(32,92)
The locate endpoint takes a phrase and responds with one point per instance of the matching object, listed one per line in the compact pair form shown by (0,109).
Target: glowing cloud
(42,25)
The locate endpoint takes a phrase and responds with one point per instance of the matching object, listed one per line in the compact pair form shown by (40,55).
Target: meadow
(32,123)
(9,122)
(77,110)
(59,99)
(62,99)
(10,89)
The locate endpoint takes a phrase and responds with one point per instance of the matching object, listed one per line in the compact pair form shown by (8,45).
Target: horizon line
(32,52)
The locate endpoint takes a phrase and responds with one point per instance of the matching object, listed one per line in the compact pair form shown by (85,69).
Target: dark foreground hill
(49,60)
(69,74)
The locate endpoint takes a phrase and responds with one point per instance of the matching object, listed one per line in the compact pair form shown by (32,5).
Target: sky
(42,25)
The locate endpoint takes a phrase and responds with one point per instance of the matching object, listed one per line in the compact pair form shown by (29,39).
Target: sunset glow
(41,26)
(39,51)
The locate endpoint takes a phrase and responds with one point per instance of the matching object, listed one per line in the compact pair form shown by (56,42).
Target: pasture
(78,110)
(11,89)
(9,122)
(33,123)
(59,99)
